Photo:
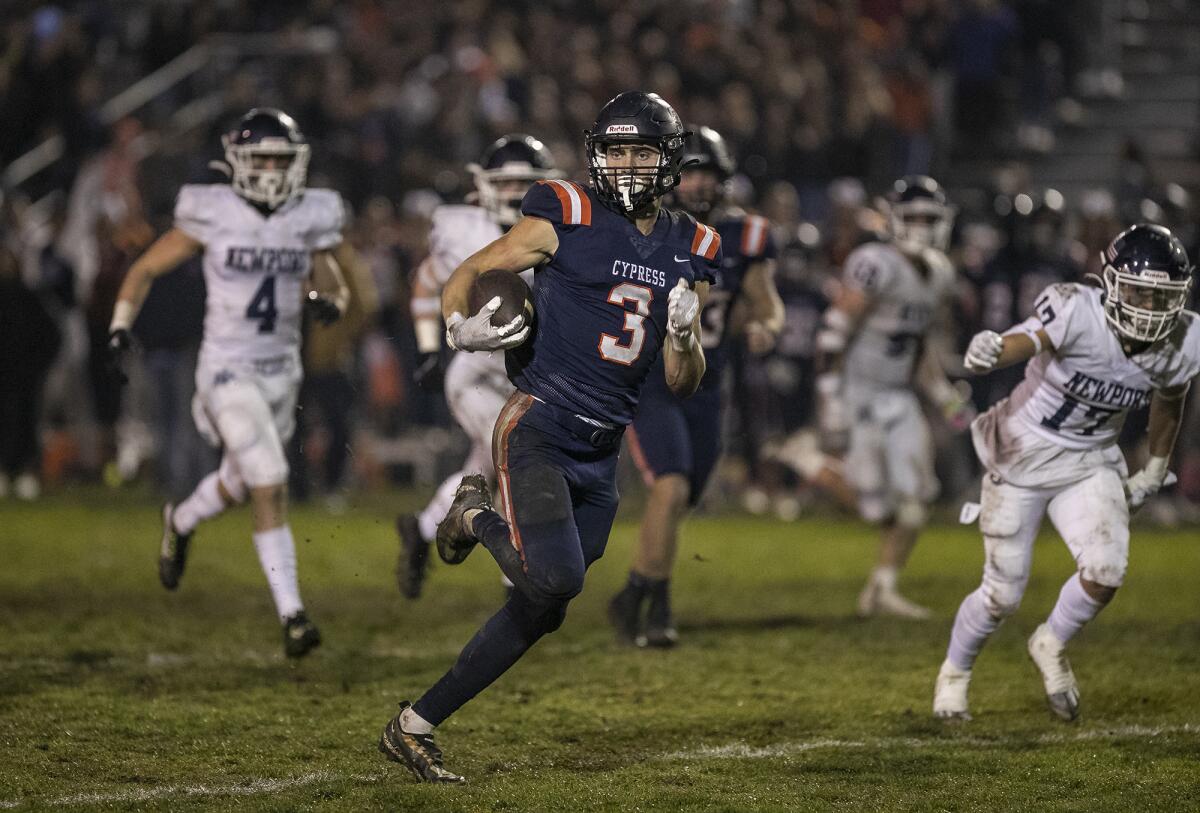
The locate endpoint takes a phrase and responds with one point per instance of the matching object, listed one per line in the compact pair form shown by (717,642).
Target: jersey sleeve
(195,212)
(563,203)
(1055,308)
(706,252)
(867,271)
(328,219)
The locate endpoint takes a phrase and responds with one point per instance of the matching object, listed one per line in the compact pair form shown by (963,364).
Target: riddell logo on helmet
(621,128)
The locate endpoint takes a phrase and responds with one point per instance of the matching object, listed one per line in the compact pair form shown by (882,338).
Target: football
(515,296)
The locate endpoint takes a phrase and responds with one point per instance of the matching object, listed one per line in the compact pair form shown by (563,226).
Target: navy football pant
(677,436)
(557,479)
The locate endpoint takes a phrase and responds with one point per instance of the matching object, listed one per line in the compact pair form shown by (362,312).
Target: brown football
(514,293)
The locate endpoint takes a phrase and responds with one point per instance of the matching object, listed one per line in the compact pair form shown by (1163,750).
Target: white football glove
(682,304)
(477,333)
(1141,486)
(983,352)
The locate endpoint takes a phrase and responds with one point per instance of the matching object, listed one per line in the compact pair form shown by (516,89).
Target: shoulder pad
(197,206)
(559,201)
(326,216)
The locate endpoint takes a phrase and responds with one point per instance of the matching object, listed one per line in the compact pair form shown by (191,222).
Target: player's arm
(328,295)
(425,308)
(164,254)
(764,307)
(528,244)
(1166,416)
(683,358)
(989,350)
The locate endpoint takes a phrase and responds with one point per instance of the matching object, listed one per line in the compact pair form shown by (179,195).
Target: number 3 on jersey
(262,306)
(610,347)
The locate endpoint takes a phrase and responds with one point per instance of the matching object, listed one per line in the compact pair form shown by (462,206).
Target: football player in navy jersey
(619,278)
(676,442)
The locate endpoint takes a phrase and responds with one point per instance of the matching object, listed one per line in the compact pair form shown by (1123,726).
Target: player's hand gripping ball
(502,308)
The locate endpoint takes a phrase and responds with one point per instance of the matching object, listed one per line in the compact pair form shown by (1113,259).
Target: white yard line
(743,751)
(262,787)
(248,787)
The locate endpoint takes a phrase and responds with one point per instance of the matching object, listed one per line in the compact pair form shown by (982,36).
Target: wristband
(123,315)
(429,335)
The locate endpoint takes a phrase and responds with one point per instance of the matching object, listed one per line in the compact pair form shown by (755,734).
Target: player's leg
(1009,519)
(661,446)
(254,416)
(1093,519)
(475,402)
(866,470)
(912,486)
(703,417)
(541,552)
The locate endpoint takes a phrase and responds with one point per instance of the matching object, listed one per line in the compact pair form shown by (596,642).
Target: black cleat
(454,539)
(660,626)
(418,751)
(300,636)
(414,556)
(624,613)
(172,554)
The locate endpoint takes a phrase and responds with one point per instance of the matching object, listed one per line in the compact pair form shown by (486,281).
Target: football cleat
(1049,655)
(660,626)
(172,554)
(624,613)
(950,693)
(300,636)
(875,599)
(414,556)
(418,751)
(454,539)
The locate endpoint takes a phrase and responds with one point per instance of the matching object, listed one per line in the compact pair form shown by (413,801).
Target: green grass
(117,695)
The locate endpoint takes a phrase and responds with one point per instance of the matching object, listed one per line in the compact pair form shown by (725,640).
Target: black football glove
(119,343)
(429,373)
(323,309)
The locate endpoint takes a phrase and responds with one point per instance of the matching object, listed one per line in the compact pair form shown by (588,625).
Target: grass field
(117,695)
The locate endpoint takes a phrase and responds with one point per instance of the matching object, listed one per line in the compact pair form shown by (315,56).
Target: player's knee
(1105,571)
(911,513)
(239,428)
(230,483)
(874,508)
(557,582)
(1101,593)
(1001,599)
(673,490)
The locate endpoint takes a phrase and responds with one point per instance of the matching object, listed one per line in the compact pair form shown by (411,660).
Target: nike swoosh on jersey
(684,260)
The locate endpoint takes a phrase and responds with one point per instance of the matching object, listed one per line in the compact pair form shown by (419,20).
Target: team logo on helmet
(635,118)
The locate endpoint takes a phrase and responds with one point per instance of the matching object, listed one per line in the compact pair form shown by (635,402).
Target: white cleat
(875,599)
(1049,655)
(950,693)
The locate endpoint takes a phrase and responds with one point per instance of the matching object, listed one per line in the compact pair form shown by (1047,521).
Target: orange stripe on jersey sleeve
(564,198)
(585,205)
(706,242)
(754,235)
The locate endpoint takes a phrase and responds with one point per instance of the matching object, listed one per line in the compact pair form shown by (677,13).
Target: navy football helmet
(920,215)
(268,157)
(1147,281)
(704,149)
(506,170)
(635,117)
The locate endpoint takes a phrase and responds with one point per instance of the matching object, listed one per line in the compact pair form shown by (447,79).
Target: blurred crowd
(824,102)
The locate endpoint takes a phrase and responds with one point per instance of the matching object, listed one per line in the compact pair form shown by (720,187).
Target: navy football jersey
(600,303)
(745,240)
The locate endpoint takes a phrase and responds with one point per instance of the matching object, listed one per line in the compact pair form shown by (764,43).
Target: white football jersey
(883,353)
(1076,397)
(255,266)
(457,232)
